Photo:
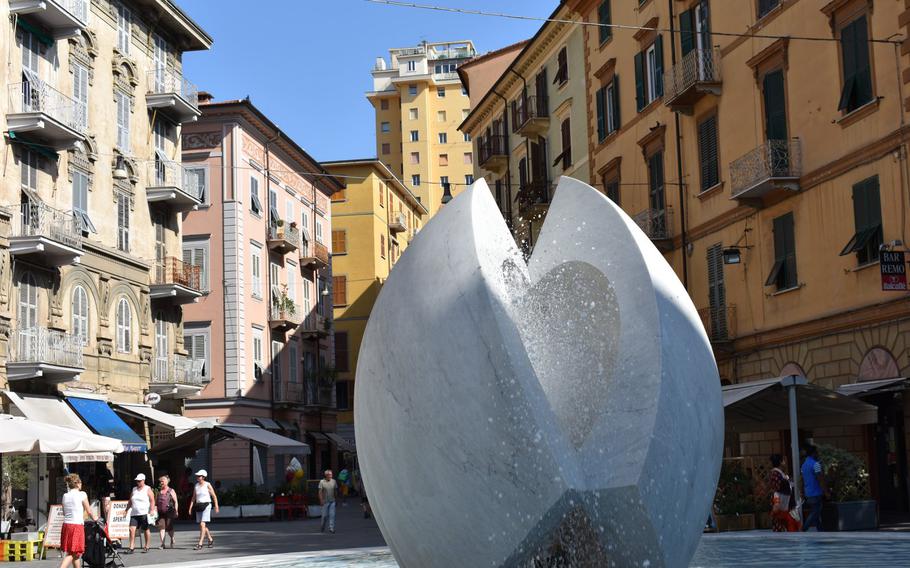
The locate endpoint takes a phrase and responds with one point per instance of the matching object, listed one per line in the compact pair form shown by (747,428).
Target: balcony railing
(698,71)
(314,254)
(67,16)
(39,220)
(447,76)
(530,111)
(776,163)
(288,393)
(657,224)
(172,271)
(178,370)
(398,222)
(284,238)
(47,346)
(492,147)
(167,80)
(284,313)
(36,96)
(719,322)
(532,194)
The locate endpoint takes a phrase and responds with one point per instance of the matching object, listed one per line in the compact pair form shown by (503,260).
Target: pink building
(264,326)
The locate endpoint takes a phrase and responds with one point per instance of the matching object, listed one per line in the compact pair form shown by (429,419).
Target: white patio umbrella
(258,477)
(24,436)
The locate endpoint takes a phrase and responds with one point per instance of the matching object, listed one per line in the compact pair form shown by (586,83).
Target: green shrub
(243,495)
(845,473)
(735,490)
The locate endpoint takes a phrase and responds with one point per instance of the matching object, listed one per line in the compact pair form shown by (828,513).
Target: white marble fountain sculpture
(563,411)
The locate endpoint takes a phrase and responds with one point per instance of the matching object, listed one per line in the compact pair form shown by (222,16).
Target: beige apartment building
(419,104)
(529,122)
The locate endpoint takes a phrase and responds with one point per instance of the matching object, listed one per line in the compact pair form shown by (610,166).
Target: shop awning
(342,444)
(179,424)
(20,435)
(318,437)
(288,426)
(273,442)
(103,420)
(267,423)
(46,409)
(869,388)
(763,406)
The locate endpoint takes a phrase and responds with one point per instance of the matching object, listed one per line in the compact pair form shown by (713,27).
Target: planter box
(249,511)
(763,520)
(314,510)
(228,512)
(850,516)
(744,522)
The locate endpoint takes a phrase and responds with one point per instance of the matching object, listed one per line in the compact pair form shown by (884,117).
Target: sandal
(197,547)
(212,543)
(129,551)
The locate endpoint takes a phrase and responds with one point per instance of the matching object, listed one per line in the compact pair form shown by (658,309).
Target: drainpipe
(684,242)
(267,196)
(508,150)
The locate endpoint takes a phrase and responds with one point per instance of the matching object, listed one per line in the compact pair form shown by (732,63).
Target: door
(776,132)
(159,63)
(656,197)
(161,347)
(27,318)
(32,88)
(160,248)
(161,164)
(717,294)
(540,88)
(703,41)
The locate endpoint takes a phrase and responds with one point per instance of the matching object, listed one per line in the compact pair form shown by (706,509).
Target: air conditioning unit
(257,371)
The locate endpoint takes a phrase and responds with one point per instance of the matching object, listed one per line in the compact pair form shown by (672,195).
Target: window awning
(104,421)
(762,406)
(869,388)
(318,437)
(179,424)
(46,409)
(267,423)
(273,442)
(342,444)
(288,426)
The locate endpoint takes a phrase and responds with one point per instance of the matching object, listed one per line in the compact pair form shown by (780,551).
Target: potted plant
(735,500)
(851,507)
(228,505)
(257,504)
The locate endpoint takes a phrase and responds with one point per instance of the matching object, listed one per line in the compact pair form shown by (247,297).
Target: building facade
(419,103)
(92,197)
(264,327)
(373,221)
(530,126)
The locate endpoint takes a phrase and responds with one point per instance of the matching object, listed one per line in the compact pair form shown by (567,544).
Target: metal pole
(794,435)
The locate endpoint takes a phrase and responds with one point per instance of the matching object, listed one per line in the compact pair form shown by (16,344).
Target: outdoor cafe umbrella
(20,436)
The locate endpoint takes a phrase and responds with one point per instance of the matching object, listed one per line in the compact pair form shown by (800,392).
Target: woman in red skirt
(75,507)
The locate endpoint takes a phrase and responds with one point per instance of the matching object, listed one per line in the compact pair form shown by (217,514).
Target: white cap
(202,472)
(140,477)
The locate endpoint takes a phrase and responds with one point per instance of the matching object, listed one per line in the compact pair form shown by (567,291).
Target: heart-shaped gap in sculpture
(569,321)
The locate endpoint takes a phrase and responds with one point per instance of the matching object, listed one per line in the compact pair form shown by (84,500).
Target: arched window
(161,347)
(80,314)
(124,326)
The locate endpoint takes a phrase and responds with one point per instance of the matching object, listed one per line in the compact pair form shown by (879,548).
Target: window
(412,66)
(342,388)
(656,196)
(603,18)
(123,222)
(196,253)
(867,220)
(707,152)
(562,68)
(257,346)
(765,6)
(382,246)
(341,352)
(611,188)
(274,217)
(717,294)
(649,71)
(415,136)
(198,349)
(441,116)
(197,182)
(80,92)
(385,127)
(340,285)
(412,113)
(28,170)
(30,57)
(384,104)
(124,326)
(161,346)
(444,182)
(256,267)
(319,231)
(443,138)
(382,195)
(123,29)
(276,362)
(28,307)
(467,137)
(854,42)
(80,203)
(608,109)
(386,149)
(443,159)
(293,270)
(293,363)
(775,102)
(566,156)
(123,122)
(468,179)
(255,204)
(415,180)
(80,314)
(468,158)
(412,90)
(274,281)
(339,242)
(783,273)
(307,304)
(441,92)
(415,158)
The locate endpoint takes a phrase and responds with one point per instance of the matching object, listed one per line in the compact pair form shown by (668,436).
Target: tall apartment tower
(420,102)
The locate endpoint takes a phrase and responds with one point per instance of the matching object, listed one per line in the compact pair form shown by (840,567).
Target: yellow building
(419,104)
(772,173)
(373,221)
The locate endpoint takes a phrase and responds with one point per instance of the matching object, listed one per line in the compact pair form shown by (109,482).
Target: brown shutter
(341,352)
(340,290)
(339,242)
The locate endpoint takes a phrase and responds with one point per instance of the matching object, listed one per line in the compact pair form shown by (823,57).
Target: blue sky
(306,63)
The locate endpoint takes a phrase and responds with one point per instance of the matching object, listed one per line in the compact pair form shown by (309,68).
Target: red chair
(283,506)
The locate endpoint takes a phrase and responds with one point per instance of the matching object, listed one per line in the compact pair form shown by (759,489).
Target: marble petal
(561,411)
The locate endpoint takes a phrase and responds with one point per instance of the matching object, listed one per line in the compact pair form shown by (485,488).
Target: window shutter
(603,17)
(339,290)
(566,144)
(614,103)
(199,352)
(601,114)
(640,96)
(862,70)
(775,106)
(341,352)
(707,150)
(717,295)
(659,65)
(848,57)
(687,31)
(860,206)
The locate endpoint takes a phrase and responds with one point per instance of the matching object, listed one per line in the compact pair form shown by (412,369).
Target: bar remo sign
(894,270)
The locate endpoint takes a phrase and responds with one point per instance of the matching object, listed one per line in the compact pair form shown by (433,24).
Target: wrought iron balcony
(398,222)
(63,18)
(170,93)
(288,393)
(40,112)
(167,183)
(696,74)
(177,376)
(284,314)
(533,198)
(46,235)
(284,238)
(531,116)
(42,353)
(493,152)
(658,225)
(176,281)
(320,388)
(314,326)
(719,322)
(314,255)
(775,165)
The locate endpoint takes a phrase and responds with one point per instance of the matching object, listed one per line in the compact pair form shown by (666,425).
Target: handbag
(202,506)
(171,507)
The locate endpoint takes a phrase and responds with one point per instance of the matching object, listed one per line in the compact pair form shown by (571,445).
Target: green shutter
(775,106)
(687,31)
(603,18)
(39,33)
(707,151)
(860,207)
(640,97)
(848,60)
(863,69)
(615,103)
(601,114)
(659,66)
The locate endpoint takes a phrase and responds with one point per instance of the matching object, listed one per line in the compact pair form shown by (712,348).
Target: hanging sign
(118,523)
(54,527)
(894,270)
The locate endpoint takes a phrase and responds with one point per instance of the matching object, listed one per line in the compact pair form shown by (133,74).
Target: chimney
(205,97)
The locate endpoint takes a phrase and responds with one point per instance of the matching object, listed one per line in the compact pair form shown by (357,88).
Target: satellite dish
(152,398)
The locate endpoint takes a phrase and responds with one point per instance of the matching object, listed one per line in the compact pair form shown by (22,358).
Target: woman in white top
(203,499)
(142,502)
(75,507)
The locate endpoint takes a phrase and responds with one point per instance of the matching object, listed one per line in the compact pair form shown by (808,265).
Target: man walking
(327,489)
(815,488)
